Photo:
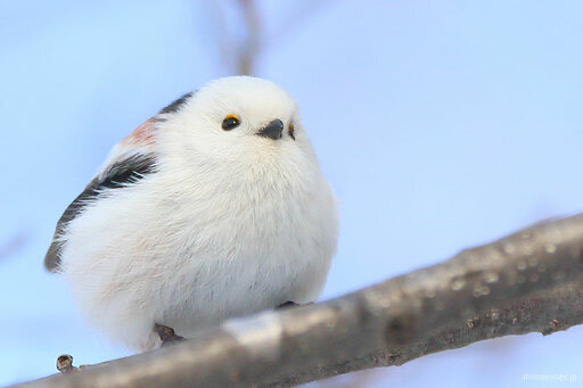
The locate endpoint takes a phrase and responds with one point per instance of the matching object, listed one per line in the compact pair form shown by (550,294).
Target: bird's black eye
(292,131)
(231,122)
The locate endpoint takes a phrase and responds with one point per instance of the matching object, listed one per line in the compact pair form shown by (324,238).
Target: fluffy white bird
(214,208)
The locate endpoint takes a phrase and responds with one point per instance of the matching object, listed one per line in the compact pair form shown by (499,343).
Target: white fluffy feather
(231,223)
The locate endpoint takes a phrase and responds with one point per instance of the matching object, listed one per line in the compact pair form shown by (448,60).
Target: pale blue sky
(440,124)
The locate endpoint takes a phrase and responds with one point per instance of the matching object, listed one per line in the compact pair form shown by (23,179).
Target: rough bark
(530,281)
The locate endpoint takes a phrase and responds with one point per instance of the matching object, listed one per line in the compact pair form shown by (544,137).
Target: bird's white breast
(188,247)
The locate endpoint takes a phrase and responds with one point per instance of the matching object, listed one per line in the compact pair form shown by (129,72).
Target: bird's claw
(167,334)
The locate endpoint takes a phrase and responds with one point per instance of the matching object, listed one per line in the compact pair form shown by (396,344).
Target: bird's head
(237,118)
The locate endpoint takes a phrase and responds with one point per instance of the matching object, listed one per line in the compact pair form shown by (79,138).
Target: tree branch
(531,281)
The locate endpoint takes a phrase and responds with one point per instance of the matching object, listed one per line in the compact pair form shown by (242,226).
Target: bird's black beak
(273,130)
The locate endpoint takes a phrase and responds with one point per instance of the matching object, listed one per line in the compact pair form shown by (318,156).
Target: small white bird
(214,208)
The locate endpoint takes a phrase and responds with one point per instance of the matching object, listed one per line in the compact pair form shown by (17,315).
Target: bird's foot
(167,334)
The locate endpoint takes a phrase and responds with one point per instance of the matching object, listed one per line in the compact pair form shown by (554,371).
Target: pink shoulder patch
(142,135)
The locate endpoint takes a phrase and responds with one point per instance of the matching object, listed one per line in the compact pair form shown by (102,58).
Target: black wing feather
(119,175)
(177,104)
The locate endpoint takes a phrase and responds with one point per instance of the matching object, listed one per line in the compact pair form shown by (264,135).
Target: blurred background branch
(251,46)
(528,282)
(242,35)
(13,244)
(237,28)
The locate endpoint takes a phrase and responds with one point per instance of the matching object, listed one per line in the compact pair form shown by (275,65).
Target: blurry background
(440,124)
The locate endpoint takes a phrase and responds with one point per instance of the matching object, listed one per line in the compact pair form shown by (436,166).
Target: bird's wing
(128,162)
